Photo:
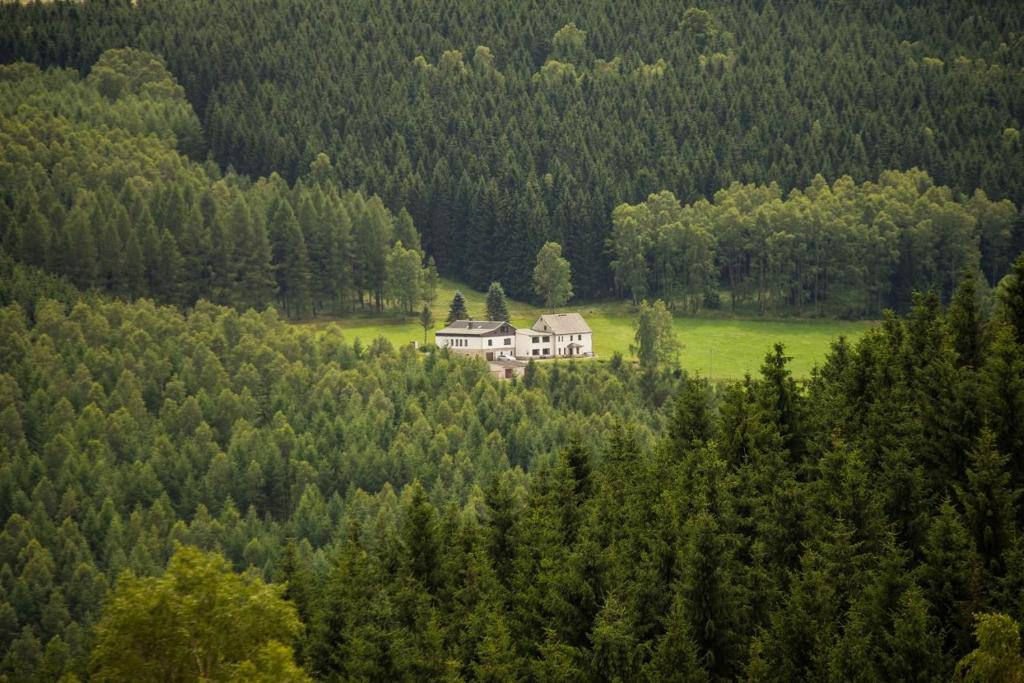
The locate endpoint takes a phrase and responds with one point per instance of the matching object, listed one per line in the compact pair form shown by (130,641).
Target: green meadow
(715,345)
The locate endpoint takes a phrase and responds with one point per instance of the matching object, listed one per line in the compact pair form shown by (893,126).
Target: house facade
(569,332)
(531,344)
(489,339)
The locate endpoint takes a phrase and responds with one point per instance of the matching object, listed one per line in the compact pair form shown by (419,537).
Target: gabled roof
(476,328)
(563,323)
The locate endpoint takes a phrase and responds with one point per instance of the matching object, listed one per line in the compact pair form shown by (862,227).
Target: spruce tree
(497,308)
(1012,297)
(457,310)
(988,501)
(966,323)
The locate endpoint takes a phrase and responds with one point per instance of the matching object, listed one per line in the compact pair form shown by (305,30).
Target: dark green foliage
(497,307)
(1012,298)
(785,531)
(151,222)
(502,127)
(457,309)
(594,521)
(967,324)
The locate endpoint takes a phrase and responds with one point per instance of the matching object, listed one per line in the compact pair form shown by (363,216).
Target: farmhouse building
(569,333)
(490,339)
(555,335)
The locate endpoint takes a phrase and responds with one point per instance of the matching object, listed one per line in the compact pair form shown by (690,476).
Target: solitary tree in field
(656,341)
(497,307)
(457,311)
(552,277)
(426,321)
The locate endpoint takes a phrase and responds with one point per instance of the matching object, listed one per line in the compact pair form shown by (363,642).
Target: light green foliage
(552,276)
(426,321)
(199,620)
(655,338)
(718,348)
(403,277)
(998,658)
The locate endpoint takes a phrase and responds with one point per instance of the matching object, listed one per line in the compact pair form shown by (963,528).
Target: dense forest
(95,167)
(194,487)
(503,125)
(424,521)
(94,188)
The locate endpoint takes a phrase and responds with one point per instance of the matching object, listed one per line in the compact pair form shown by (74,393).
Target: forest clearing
(714,345)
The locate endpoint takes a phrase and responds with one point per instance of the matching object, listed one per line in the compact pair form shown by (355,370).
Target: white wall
(527,348)
(478,345)
(584,339)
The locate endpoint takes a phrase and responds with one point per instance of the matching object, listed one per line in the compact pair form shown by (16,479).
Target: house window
(535,352)
(508,342)
(546,351)
(547,339)
(490,342)
(536,340)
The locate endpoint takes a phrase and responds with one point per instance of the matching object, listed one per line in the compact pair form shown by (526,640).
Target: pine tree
(966,323)
(1012,297)
(457,309)
(497,308)
(691,424)
(708,590)
(291,261)
(988,501)
(950,577)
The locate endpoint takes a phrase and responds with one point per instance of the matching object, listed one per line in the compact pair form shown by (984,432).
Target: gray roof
(563,323)
(476,328)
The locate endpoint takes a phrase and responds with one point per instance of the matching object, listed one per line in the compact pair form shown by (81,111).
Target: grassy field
(716,346)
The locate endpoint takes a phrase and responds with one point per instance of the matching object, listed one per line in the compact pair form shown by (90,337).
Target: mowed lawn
(718,347)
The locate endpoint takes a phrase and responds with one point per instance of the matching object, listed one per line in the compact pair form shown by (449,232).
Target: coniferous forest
(197,485)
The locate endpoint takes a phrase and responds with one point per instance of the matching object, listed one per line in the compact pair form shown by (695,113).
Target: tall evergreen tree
(457,309)
(497,308)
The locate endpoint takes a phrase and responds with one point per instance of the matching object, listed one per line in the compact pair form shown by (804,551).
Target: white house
(569,332)
(491,339)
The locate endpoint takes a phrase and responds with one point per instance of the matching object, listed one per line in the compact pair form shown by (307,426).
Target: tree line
(96,188)
(418,519)
(504,127)
(848,248)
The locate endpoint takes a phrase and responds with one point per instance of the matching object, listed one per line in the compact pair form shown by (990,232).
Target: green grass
(715,345)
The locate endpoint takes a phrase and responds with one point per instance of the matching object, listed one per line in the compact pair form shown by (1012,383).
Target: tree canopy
(552,276)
